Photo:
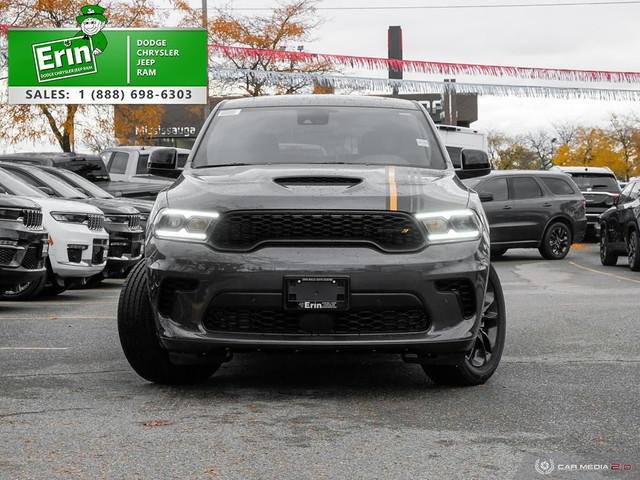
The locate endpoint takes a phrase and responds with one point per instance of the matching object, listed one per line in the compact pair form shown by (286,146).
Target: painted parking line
(603,273)
(34,348)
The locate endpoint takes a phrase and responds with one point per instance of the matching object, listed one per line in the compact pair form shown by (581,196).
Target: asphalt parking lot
(565,395)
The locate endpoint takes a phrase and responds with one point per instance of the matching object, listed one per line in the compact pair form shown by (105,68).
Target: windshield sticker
(422,142)
(228,113)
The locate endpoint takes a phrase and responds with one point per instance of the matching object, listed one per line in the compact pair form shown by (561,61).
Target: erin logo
(71,57)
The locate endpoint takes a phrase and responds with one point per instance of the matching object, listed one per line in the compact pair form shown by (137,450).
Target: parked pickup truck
(93,168)
(130,164)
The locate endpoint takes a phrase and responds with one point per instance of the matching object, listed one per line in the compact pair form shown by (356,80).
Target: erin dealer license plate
(316,293)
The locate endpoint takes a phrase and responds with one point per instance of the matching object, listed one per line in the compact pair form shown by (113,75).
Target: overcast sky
(588,37)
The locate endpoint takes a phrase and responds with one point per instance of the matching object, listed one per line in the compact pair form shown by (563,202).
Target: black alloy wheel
(556,242)
(607,256)
(634,251)
(483,359)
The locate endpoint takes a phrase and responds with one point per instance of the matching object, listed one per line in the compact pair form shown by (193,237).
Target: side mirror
(474,163)
(486,197)
(164,162)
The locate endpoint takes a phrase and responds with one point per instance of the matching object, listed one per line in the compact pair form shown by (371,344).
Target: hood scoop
(318,181)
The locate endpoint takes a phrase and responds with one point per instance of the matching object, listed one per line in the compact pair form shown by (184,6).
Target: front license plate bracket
(316,293)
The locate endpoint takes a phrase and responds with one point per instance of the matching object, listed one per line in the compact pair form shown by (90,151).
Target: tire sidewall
(481,374)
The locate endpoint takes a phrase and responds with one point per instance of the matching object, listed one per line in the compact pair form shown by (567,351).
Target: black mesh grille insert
(388,231)
(463,288)
(168,290)
(6,255)
(344,322)
(75,255)
(32,258)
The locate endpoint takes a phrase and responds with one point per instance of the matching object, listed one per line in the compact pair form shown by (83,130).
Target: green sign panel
(111,66)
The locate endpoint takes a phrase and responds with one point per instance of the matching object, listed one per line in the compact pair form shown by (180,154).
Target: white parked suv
(77,238)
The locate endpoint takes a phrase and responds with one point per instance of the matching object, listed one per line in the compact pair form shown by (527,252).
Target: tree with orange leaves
(64,123)
(285,28)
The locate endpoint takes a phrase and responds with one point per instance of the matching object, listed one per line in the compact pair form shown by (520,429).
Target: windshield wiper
(223,165)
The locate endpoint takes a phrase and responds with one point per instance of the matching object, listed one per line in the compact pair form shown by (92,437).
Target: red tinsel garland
(432,67)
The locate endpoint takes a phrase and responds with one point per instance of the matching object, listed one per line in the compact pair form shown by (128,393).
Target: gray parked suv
(316,223)
(532,209)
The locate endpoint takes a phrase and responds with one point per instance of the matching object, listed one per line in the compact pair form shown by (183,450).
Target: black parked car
(316,223)
(24,242)
(532,209)
(88,166)
(122,222)
(93,191)
(619,232)
(600,188)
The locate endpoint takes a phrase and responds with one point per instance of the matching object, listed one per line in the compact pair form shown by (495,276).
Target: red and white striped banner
(441,68)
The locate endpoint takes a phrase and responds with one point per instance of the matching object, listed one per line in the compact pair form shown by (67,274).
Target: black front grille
(463,288)
(96,222)
(133,220)
(74,254)
(388,231)
(168,290)
(6,255)
(32,218)
(340,322)
(33,257)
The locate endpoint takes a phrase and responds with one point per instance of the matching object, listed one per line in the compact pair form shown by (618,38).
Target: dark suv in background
(600,188)
(532,209)
(24,242)
(619,232)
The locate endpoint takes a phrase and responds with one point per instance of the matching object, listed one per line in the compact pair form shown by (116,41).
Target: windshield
(15,186)
(320,135)
(590,181)
(77,181)
(44,179)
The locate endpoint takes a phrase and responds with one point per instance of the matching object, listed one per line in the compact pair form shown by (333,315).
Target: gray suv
(316,223)
(532,209)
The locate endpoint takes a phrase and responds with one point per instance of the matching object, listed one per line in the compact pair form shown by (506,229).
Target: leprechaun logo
(75,56)
(92,21)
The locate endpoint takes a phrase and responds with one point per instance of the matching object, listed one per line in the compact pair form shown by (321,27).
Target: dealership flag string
(418,86)
(373,63)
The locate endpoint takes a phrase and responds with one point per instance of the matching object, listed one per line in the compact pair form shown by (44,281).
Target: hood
(317,187)
(57,205)
(109,206)
(143,206)
(11,201)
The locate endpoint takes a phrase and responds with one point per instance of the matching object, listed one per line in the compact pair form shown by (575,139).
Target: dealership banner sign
(110,66)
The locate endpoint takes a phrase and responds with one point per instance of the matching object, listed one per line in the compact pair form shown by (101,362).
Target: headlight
(183,224)
(9,214)
(451,226)
(70,217)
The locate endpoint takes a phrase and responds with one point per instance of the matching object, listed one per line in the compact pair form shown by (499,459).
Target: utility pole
(205,25)
(395,53)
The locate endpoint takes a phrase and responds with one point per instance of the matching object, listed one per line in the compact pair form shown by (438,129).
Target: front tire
(607,256)
(556,242)
(24,291)
(634,251)
(483,359)
(139,338)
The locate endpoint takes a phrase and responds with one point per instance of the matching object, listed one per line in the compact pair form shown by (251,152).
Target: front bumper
(78,252)
(22,255)
(206,301)
(125,247)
